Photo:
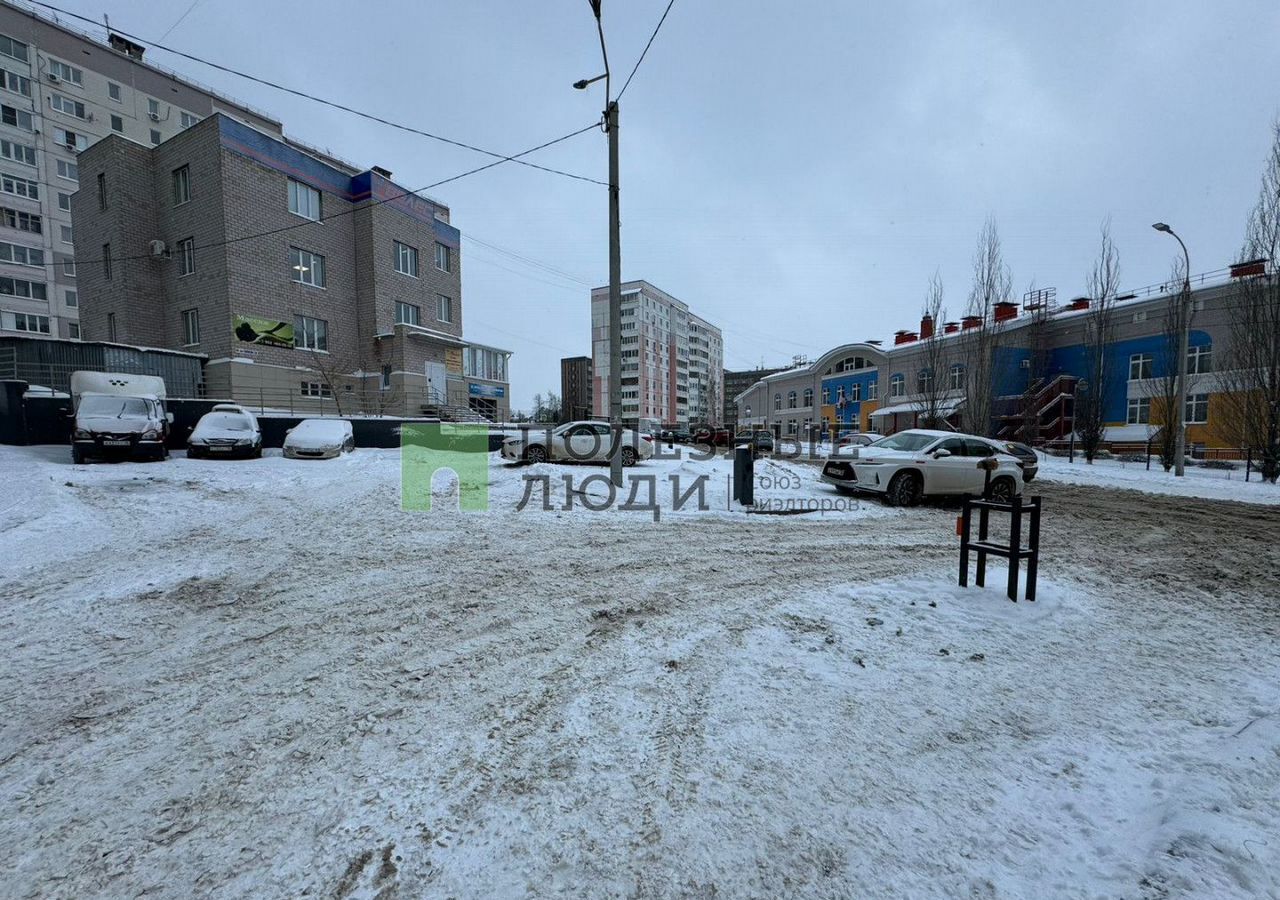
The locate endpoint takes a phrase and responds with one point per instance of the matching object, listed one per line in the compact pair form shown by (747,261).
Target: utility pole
(1180,438)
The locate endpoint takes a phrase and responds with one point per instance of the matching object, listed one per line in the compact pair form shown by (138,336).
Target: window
(304,200)
(316,389)
(102,192)
(67,235)
(777,402)
(873,390)
(64,201)
(444,308)
(1197,409)
(307,267)
(68,170)
(28,322)
(117,124)
(406,259)
(65,72)
(15,49)
(808,397)
(69,267)
(22,221)
(19,187)
(12,81)
(407,314)
(73,299)
(153,107)
(73,330)
(1200,360)
(17,287)
(924,380)
(106,261)
(311,334)
(791,399)
(111,326)
(826,396)
(155,136)
(482,362)
(190,326)
(444,257)
(1139,367)
(20,153)
(1139,412)
(67,106)
(188,119)
(955,377)
(22,256)
(186,257)
(897,386)
(113,91)
(386,378)
(181,185)
(70,139)
(18,118)
(855,392)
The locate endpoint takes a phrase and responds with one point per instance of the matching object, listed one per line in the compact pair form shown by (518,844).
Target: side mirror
(941,454)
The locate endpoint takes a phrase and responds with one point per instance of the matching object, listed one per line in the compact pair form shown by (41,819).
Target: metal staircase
(1051,408)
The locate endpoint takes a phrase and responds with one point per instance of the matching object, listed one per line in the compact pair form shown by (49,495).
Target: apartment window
(72,298)
(155,136)
(22,221)
(386,378)
(106,261)
(873,390)
(15,49)
(117,124)
(304,200)
(111,326)
(114,92)
(12,81)
(1197,409)
(897,386)
(181,185)
(855,391)
(29,322)
(1139,411)
(73,330)
(311,334)
(924,380)
(316,389)
(22,256)
(68,237)
(190,326)
(406,259)
(955,377)
(19,187)
(68,171)
(19,153)
(64,72)
(444,308)
(64,200)
(791,399)
(70,139)
(808,397)
(18,118)
(1139,367)
(187,119)
(69,268)
(153,108)
(18,287)
(777,402)
(1200,360)
(307,267)
(102,192)
(444,257)
(186,257)
(408,314)
(67,106)
(826,395)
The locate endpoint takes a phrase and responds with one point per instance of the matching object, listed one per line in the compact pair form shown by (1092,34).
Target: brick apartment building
(299,277)
(61,91)
(575,388)
(734,384)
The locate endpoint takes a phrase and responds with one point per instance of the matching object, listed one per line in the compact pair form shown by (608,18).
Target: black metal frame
(1014,551)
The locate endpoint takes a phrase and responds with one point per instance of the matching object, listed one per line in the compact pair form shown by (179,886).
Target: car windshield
(120,407)
(225,422)
(905,441)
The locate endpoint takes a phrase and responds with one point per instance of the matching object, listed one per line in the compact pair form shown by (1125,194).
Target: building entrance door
(437,389)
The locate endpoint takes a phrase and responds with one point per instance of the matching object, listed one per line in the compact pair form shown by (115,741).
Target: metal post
(1148,454)
(1015,547)
(1071,448)
(1180,448)
(1033,543)
(615,297)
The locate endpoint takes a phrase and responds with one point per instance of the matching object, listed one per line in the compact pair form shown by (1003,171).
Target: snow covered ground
(1211,484)
(266,679)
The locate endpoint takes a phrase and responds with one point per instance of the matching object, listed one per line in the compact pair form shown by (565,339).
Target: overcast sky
(794,172)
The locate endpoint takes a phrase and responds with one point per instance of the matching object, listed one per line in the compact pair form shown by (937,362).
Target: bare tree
(933,380)
(992,284)
(1250,367)
(330,376)
(1164,388)
(1102,284)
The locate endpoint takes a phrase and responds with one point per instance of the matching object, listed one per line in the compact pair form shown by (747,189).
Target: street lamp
(1180,447)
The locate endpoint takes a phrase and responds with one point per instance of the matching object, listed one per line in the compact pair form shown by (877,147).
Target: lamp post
(1180,446)
(615,258)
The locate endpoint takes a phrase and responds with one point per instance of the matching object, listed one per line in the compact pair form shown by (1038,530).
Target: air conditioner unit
(160,249)
(53,76)
(154,117)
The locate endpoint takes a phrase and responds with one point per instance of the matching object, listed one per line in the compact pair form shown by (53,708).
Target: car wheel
(904,490)
(535,455)
(628,457)
(1002,490)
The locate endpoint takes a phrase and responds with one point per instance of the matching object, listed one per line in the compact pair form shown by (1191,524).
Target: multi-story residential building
(61,91)
(1039,368)
(736,383)
(575,388)
(672,360)
(300,278)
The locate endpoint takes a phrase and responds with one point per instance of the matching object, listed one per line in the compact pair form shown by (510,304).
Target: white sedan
(318,439)
(914,464)
(576,442)
(226,430)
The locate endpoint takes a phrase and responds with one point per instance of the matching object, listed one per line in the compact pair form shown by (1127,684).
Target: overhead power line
(330,103)
(644,52)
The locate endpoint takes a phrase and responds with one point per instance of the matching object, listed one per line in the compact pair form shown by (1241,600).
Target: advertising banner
(269,333)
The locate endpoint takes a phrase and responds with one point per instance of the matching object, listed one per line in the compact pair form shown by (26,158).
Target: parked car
(318,439)
(911,465)
(760,441)
(118,415)
(1028,461)
(859,439)
(716,437)
(227,430)
(583,441)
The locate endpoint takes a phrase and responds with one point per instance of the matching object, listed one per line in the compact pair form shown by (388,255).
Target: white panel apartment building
(672,360)
(60,91)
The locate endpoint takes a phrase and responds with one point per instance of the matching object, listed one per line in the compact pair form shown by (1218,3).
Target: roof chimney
(926,327)
(971,322)
(903,337)
(1252,267)
(1078,303)
(1005,310)
(950,327)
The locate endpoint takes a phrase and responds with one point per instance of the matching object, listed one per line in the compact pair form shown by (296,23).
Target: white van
(118,416)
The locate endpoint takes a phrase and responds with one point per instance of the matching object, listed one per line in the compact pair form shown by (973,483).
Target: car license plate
(220,449)
(115,443)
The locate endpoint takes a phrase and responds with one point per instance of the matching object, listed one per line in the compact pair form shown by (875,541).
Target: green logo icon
(462,449)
